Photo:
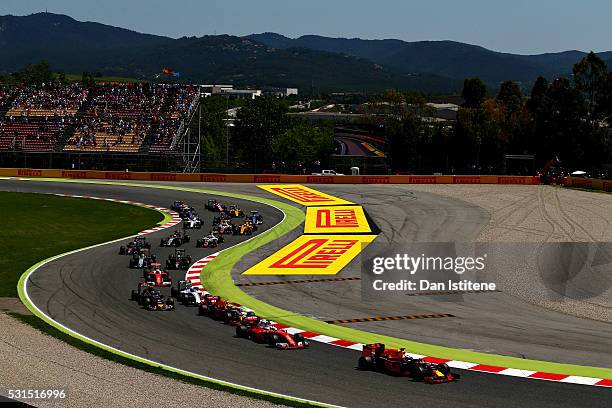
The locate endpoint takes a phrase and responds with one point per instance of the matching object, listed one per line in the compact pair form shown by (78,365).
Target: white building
(279,92)
(229,91)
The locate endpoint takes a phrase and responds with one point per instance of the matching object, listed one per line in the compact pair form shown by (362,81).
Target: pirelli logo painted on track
(386,318)
(313,255)
(303,195)
(336,219)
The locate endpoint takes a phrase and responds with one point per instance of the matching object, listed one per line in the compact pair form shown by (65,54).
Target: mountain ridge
(309,62)
(444,57)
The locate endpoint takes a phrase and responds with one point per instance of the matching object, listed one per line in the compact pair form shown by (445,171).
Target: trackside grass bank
(38,226)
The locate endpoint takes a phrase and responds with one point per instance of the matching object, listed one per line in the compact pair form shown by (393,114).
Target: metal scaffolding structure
(190,144)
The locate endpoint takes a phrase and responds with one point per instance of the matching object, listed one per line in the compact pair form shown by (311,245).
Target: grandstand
(47,101)
(22,134)
(182,102)
(113,118)
(35,118)
(5,97)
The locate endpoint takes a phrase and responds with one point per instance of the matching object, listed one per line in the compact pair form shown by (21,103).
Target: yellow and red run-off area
(303,195)
(336,219)
(313,255)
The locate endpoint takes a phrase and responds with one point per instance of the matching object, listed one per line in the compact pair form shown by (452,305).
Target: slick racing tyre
(443,368)
(241,331)
(365,363)
(417,372)
(273,340)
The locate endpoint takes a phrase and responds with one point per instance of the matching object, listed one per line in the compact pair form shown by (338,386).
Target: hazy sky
(519,26)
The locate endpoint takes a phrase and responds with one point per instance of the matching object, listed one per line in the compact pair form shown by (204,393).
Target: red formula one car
(397,362)
(157,277)
(239,317)
(264,332)
(207,305)
(220,310)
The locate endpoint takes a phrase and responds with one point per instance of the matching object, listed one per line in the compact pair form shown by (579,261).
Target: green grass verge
(38,226)
(221,283)
(50,330)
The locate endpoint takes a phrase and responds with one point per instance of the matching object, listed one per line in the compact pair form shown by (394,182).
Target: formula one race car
(254,218)
(194,222)
(221,310)
(151,299)
(398,362)
(264,332)
(176,239)
(178,260)
(234,212)
(223,227)
(159,302)
(209,241)
(178,206)
(156,277)
(214,205)
(246,228)
(237,316)
(134,246)
(185,211)
(142,259)
(186,294)
(208,303)
(222,217)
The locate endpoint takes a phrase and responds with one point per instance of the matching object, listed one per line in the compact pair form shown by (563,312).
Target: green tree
(511,96)
(215,135)
(516,126)
(564,132)
(408,139)
(88,79)
(605,102)
(61,77)
(36,74)
(590,78)
(477,144)
(260,122)
(538,95)
(474,92)
(300,147)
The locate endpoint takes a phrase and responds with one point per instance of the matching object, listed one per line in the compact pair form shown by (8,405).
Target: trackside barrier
(267,178)
(593,184)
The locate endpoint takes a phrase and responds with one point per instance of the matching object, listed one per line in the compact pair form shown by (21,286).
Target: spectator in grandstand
(45,100)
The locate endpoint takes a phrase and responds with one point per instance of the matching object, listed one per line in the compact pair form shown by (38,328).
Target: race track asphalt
(89,292)
(353,147)
(497,322)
